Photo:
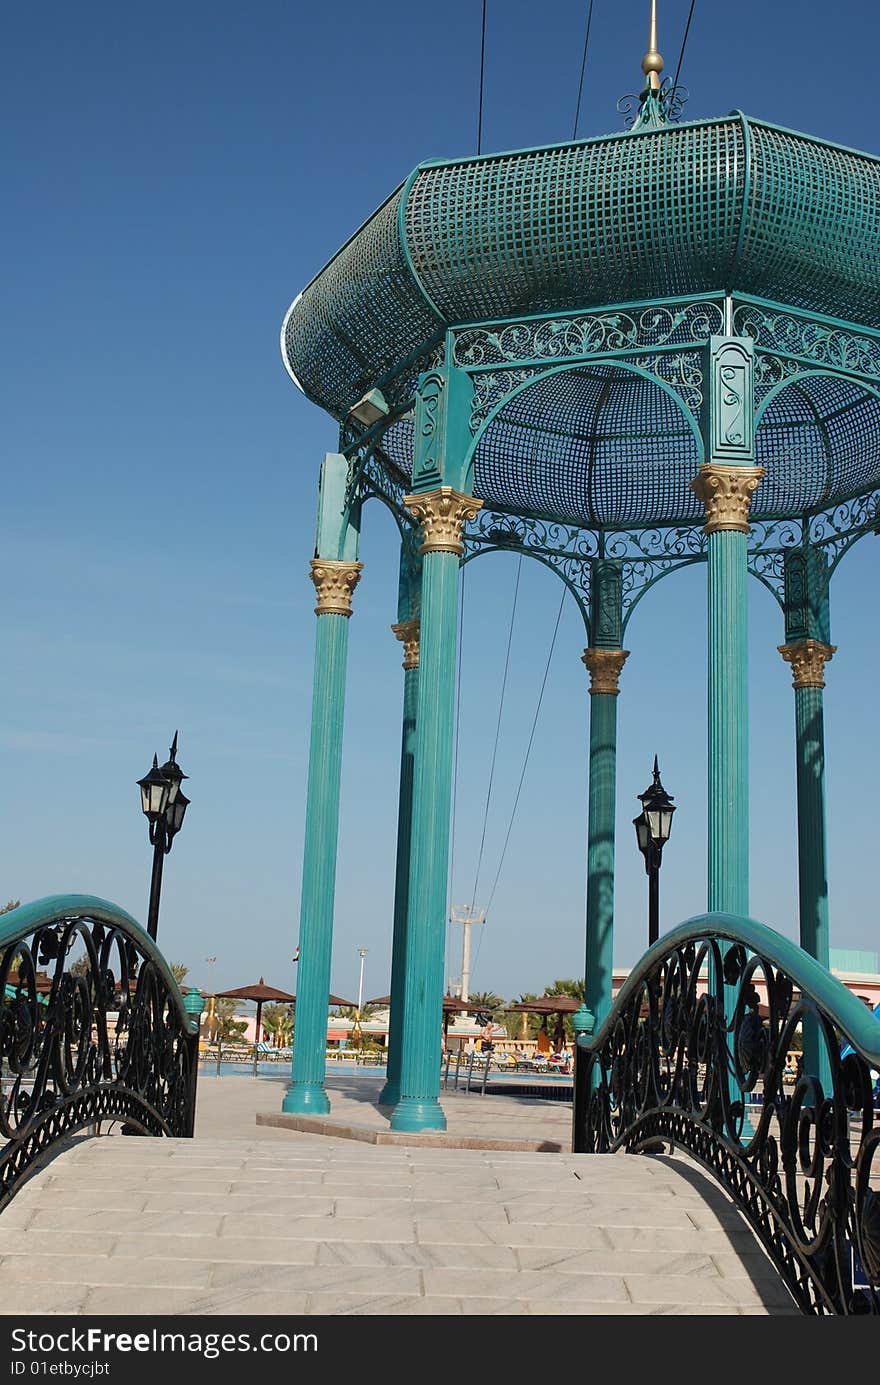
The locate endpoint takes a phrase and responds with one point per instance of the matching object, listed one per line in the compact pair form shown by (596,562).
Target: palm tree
(277,1020)
(486,1000)
(520,1024)
(179,971)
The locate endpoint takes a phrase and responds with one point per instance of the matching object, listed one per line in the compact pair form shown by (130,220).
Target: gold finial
(652,63)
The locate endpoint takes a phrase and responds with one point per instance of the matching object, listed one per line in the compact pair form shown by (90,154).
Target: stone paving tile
(575,1309)
(624,1262)
(321,1228)
(292,1303)
(418,1208)
(709,1219)
(103,1269)
(164,1301)
(366,1253)
(296,1205)
(634,1213)
(35,1298)
(649,1288)
(318,1279)
(104,1199)
(178,1224)
(529,1285)
(81,1242)
(362,1305)
(216,1249)
(665,1238)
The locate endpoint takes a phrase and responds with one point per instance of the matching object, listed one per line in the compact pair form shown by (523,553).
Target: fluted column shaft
(728,723)
(808,658)
(599,960)
(334,582)
(390,1094)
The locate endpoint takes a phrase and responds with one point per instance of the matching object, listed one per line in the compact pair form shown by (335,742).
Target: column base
(390,1094)
(305,1099)
(412,1114)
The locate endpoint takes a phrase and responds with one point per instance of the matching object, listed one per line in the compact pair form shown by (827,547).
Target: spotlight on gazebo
(370,409)
(653,826)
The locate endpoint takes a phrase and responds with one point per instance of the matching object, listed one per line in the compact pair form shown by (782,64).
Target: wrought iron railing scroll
(93,1028)
(699,1053)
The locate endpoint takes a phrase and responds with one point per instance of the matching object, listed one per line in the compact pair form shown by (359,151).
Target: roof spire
(652,63)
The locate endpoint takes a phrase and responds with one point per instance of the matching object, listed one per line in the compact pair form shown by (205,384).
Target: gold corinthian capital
(808,659)
(442,513)
(603,666)
(334,580)
(408,634)
(726,493)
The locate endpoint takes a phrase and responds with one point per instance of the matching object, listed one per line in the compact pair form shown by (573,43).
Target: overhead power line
(577,113)
(482,71)
(687,29)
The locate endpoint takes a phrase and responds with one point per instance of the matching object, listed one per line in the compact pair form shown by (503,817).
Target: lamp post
(653,826)
(362,952)
(164,805)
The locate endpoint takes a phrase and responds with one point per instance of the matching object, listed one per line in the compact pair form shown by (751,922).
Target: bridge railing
(93,1028)
(695,1055)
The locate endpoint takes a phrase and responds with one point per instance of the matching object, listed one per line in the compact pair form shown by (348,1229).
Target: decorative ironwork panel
(615,330)
(92,1027)
(695,1055)
(808,340)
(566,549)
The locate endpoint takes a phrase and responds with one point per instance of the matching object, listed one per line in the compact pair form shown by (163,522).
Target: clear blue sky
(174,175)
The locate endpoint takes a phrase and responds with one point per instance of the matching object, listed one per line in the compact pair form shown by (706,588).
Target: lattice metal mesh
(813,226)
(608,221)
(819,440)
(359,318)
(594,445)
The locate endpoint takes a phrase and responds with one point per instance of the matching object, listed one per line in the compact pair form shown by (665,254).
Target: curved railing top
(56,908)
(842,1008)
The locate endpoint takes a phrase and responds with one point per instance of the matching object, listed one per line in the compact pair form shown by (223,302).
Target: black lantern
(164,805)
(653,826)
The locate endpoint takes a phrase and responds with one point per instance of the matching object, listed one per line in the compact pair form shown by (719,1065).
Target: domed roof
(729,205)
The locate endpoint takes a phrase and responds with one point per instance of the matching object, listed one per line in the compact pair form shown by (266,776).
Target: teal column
(441,505)
(335,580)
(604,662)
(418,1107)
(728,723)
(407,631)
(725,485)
(807,651)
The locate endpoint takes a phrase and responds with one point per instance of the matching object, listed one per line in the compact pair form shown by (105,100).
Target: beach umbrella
(259,993)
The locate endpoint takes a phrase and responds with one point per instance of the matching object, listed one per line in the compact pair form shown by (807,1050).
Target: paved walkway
(249,1219)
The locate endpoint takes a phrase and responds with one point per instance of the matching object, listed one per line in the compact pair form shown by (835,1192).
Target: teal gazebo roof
(729,205)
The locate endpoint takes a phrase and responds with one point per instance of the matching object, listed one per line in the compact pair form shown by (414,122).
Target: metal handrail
(684,1049)
(114,1040)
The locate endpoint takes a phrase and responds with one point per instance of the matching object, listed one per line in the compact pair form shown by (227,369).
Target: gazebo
(617,356)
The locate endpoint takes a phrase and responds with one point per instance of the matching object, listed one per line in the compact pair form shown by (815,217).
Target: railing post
(192,1003)
(584,1022)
